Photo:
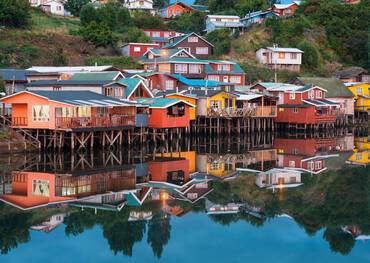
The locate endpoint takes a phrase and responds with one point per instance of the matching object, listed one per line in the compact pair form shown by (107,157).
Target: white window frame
(291,163)
(169,84)
(235,79)
(318,165)
(193,39)
(214,77)
(202,50)
(181,68)
(36,113)
(137,49)
(195,69)
(295,110)
(292,96)
(319,94)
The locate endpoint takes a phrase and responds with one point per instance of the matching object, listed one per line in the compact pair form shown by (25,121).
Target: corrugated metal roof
(71,69)
(106,75)
(43,83)
(283,49)
(334,87)
(161,102)
(19,75)
(198,82)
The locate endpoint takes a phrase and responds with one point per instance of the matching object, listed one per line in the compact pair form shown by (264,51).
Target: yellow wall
(192,111)
(362,143)
(362,103)
(221,97)
(360,158)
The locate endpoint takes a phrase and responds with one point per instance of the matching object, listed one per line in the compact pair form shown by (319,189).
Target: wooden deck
(257,112)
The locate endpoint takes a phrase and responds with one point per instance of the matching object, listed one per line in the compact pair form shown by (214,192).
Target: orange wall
(26,111)
(158,169)
(192,110)
(159,119)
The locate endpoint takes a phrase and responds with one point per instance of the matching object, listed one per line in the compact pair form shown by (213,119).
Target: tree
(2,85)
(88,14)
(75,6)
(15,13)
(160,3)
(146,21)
(310,55)
(134,34)
(98,34)
(221,40)
(187,23)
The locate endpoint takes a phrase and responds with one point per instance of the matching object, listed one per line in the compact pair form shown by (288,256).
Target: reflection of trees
(339,241)
(221,193)
(123,235)
(159,233)
(13,230)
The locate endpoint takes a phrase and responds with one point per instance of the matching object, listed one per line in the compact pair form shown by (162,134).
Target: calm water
(266,198)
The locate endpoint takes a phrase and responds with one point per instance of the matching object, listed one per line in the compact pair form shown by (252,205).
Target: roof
(47,83)
(179,39)
(334,87)
(257,13)
(160,39)
(321,102)
(198,82)
(227,24)
(205,93)
(19,75)
(76,98)
(237,69)
(71,69)
(176,60)
(247,97)
(294,105)
(285,6)
(200,8)
(105,75)
(351,72)
(285,49)
(162,103)
(272,86)
(223,16)
(131,84)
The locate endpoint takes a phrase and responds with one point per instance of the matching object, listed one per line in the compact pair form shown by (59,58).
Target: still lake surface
(266,198)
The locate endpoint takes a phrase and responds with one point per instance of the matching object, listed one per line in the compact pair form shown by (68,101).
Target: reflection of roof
(76,98)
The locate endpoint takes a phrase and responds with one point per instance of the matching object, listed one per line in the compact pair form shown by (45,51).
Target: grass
(48,23)
(3,135)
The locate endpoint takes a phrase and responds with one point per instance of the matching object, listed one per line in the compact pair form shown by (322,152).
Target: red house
(158,81)
(136,50)
(225,71)
(304,105)
(308,155)
(285,9)
(161,37)
(168,113)
(173,171)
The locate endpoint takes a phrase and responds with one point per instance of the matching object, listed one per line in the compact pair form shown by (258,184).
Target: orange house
(68,109)
(172,171)
(191,100)
(175,9)
(168,113)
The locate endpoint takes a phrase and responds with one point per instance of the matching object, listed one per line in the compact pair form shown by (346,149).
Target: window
(201,50)
(311,94)
(293,55)
(281,55)
(166,34)
(176,110)
(192,196)
(215,104)
(358,156)
(235,79)
(193,39)
(359,91)
(223,67)
(181,68)
(295,110)
(318,165)
(311,166)
(214,77)
(169,84)
(59,8)
(40,113)
(292,96)
(156,34)
(215,166)
(291,163)
(176,177)
(319,94)
(137,49)
(226,79)
(84,111)
(141,3)
(57,88)
(295,151)
(40,188)
(195,69)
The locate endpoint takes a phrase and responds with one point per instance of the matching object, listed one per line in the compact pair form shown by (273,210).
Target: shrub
(74,6)
(98,34)
(15,13)
(118,62)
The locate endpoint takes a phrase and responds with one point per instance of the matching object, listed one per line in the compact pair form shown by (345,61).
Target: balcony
(323,118)
(19,121)
(94,122)
(257,112)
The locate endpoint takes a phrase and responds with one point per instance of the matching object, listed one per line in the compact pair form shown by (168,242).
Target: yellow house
(216,101)
(362,143)
(361,158)
(192,100)
(362,96)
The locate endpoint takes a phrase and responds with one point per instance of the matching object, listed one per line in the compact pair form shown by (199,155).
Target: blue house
(257,17)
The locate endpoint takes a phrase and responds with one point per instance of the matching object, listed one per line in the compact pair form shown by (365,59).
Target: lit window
(193,39)
(181,68)
(202,51)
(281,55)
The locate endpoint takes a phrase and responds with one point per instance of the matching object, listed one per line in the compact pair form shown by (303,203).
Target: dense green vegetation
(187,23)
(15,13)
(116,61)
(74,6)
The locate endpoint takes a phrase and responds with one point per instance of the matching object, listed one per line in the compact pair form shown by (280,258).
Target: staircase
(28,138)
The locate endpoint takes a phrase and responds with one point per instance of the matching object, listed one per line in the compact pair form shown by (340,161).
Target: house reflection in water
(307,155)
(279,178)
(96,187)
(50,224)
(361,153)
(225,166)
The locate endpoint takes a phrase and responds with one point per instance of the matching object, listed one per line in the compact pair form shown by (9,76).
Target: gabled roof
(131,85)
(236,68)
(179,39)
(105,75)
(334,87)
(75,98)
(257,13)
(178,3)
(175,60)
(206,93)
(18,75)
(200,8)
(72,69)
(198,82)
(48,83)
(283,49)
(162,103)
(285,6)
(272,86)
(351,72)
(172,52)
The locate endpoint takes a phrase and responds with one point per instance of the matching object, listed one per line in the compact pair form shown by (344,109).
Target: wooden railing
(19,121)
(85,122)
(265,111)
(326,117)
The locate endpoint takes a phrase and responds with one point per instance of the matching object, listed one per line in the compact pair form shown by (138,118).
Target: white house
(214,22)
(280,58)
(279,178)
(55,7)
(143,5)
